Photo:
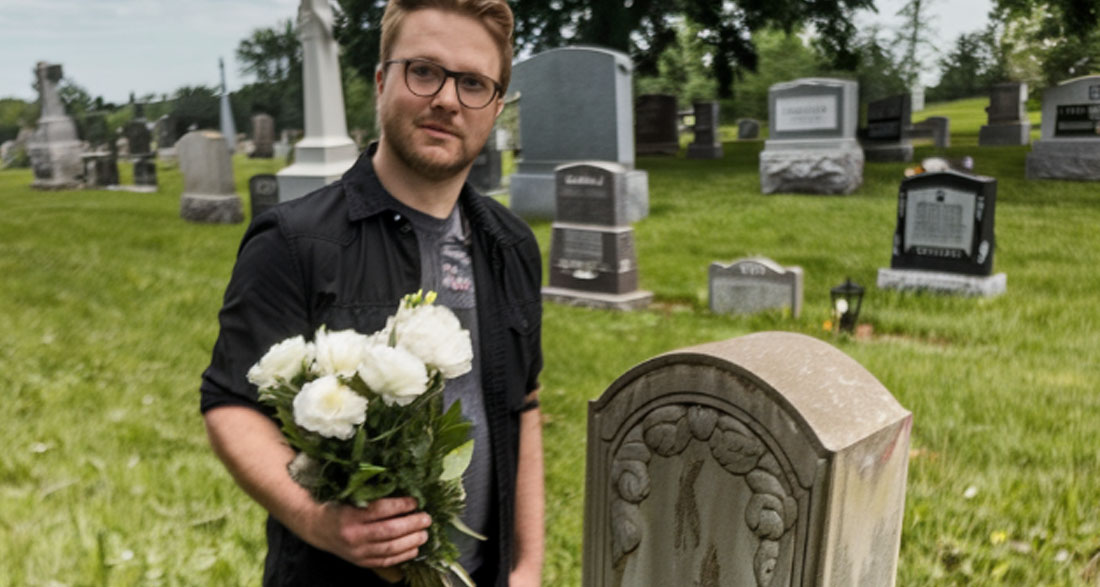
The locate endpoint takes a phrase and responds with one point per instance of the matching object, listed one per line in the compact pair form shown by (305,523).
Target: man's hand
(387,532)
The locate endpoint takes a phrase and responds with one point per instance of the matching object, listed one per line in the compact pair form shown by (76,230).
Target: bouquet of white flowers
(365,414)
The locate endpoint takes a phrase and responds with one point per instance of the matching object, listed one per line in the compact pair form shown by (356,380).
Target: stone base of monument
(1004,135)
(703,151)
(211,209)
(100,170)
(136,189)
(634,300)
(56,165)
(940,282)
(317,163)
(817,167)
(1064,159)
(888,152)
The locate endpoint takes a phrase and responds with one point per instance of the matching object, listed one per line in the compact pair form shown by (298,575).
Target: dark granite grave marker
(486,171)
(656,129)
(100,169)
(145,170)
(263,192)
(748,129)
(1007,114)
(884,138)
(706,144)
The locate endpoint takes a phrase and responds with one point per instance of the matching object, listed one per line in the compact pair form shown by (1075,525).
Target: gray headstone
(138,138)
(145,170)
(485,173)
(54,148)
(812,146)
(706,144)
(100,169)
(748,128)
(599,192)
(1069,147)
(263,136)
(884,138)
(765,460)
(1007,113)
(209,191)
(656,127)
(945,225)
(937,128)
(263,192)
(575,105)
(747,286)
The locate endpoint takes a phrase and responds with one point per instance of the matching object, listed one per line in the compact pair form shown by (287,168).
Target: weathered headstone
(706,144)
(327,151)
(263,192)
(166,133)
(145,170)
(485,173)
(944,239)
(748,129)
(593,261)
(54,148)
(747,286)
(656,131)
(263,136)
(575,105)
(100,170)
(812,146)
(209,191)
(1007,112)
(138,138)
(765,460)
(1069,144)
(936,128)
(884,138)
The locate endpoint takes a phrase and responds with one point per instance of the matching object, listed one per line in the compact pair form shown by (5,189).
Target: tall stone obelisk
(229,130)
(54,148)
(326,151)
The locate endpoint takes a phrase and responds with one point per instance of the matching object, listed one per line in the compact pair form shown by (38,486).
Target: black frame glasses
(467,83)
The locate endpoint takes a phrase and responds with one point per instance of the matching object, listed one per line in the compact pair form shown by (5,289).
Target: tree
(1046,41)
(914,36)
(198,106)
(969,68)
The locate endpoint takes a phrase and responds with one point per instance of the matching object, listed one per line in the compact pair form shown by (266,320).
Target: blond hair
(495,15)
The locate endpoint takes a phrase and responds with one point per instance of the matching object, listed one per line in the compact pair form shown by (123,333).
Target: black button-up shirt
(343,257)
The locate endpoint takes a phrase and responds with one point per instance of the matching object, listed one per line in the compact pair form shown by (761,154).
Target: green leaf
(458,525)
(461,574)
(456,461)
(365,473)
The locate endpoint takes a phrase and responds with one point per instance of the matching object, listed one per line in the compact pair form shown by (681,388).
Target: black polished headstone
(145,170)
(599,259)
(263,192)
(656,126)
(486,171)
(886,118)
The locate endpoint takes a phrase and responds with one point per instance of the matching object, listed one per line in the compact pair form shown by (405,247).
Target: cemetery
(783,350)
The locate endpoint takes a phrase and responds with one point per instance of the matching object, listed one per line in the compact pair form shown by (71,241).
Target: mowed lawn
(108,308)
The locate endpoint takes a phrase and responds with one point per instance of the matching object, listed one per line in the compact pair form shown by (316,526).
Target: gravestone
(209,191)
(1069,143)
(656,129)
(263,136)
(916,98)
(54,149)
(1007,112)
(575,105)
(944,239)
(768,460)
(936,128)
(263,192)
(884,138)
(485,173)
(326,151)
(145,170)
(706,144)
(748,129)
(748,286)
(100,169)
(593,261)
(139,140)
(812,146)
(166,133)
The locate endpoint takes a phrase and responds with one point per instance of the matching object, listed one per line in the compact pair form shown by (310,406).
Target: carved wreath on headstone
(667,431)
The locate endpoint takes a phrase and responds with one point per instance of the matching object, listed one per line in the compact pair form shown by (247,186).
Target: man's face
(437,136)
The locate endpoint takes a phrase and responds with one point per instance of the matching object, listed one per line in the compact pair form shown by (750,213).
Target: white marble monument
(54,148)
(326,151)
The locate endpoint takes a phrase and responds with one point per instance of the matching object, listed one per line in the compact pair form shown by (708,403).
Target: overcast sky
(114,47)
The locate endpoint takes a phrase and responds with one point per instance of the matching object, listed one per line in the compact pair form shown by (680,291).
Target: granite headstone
(812,146)
(485,172)
(748,129)
(656,128)
(263,136)
(1007,116)
(209,190)
(1069,143)
(936,128)
(100,169)
(766,460)
(706,144)
(263,192)
(884,139)
(748,286)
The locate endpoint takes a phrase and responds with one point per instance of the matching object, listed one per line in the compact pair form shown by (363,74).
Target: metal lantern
(846,299)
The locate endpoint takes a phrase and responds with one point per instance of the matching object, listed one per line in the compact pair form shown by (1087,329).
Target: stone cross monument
(326,151)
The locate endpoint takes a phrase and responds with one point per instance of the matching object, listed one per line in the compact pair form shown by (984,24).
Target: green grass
(108,314)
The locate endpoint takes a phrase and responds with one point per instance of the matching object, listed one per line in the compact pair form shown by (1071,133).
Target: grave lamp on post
(846,301)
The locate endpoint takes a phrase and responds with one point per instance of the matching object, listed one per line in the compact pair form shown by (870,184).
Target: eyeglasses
(425,78)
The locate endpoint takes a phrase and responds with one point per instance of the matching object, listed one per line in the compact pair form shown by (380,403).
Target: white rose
(434,334)
(338,353)
(283,361)
(329,408)
(394,373)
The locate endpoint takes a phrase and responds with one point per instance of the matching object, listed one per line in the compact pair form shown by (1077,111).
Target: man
(401,219)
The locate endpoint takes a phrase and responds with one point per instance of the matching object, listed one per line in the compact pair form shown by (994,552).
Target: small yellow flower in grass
(827,325)
(998,537)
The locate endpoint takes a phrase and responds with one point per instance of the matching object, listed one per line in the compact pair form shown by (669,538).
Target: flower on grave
(284,361)
(329,408)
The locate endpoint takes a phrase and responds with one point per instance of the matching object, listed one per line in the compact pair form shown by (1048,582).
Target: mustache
(439,123)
